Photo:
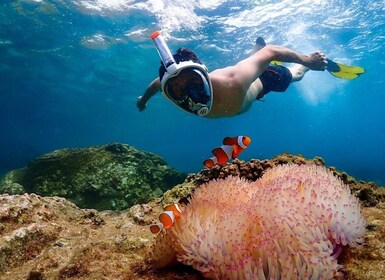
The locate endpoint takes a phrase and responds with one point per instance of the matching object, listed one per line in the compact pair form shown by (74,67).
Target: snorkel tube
(163,50)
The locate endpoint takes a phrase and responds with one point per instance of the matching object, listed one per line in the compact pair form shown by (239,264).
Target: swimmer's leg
(298,72)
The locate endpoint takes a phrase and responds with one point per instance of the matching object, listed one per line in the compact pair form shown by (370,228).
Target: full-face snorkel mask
(186,84)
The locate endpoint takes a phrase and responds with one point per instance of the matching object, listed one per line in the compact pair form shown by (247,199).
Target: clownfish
(231,148)
(167,218)
(239,144)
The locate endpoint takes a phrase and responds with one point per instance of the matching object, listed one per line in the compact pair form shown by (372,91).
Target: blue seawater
(71,72)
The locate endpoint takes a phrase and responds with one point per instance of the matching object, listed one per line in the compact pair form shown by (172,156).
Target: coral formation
(292,223)
(251,170)
(367,192)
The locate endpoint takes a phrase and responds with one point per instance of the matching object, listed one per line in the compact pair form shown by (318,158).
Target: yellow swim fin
(344,71)
(275,62)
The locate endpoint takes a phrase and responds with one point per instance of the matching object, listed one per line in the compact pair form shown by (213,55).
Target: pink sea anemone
(290,224)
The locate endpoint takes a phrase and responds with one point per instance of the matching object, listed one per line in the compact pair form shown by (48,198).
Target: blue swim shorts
(275,78)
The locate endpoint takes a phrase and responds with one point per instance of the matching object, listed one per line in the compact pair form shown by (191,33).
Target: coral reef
(51,238)
(367,192)
(292,223)
(250,170)
(114,176)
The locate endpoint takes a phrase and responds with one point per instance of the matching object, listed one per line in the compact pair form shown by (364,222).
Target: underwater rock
(51,238)
(8,184)
(114,176)
(13,188)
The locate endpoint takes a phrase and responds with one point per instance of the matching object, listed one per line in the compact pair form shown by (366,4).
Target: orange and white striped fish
(231,148)
(239,144)
(167,218)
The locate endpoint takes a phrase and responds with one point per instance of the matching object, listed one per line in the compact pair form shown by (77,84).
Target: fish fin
(229,141)
(210,162)
(237,151)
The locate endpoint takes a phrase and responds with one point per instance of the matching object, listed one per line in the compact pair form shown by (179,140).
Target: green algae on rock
(113,176)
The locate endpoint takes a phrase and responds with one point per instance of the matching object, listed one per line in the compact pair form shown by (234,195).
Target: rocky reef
(113,176)
(52,238)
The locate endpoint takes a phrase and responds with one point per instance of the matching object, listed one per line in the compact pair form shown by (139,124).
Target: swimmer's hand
(140,103)
(317,61)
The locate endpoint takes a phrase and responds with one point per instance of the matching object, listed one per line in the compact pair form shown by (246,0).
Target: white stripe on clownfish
(240,142)
(228,150)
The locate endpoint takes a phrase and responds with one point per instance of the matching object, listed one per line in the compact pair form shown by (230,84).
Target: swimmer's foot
(297,72)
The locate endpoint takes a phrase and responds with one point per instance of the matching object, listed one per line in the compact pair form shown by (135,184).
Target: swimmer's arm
(315,61)
(249,69)
(151,90)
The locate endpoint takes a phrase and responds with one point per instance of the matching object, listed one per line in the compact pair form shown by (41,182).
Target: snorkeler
(230,91)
